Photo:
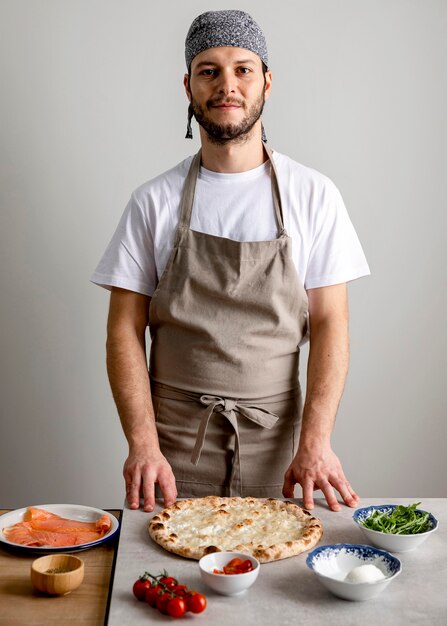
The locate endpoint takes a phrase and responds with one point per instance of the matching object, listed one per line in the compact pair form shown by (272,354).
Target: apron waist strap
(228,407)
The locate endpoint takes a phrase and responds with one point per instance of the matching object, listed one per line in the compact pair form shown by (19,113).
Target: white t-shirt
(326,250)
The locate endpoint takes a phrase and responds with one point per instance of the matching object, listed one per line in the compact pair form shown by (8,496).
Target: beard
(225,133)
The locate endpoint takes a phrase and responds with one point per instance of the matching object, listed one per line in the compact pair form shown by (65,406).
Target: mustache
(219,101)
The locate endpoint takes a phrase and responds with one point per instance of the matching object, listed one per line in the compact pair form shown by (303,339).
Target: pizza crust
(267,528)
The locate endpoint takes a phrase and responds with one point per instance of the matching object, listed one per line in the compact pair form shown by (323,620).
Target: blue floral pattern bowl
(390,541)
(332,563)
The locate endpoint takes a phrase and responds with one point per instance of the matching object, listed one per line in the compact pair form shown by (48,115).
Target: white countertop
(286,591)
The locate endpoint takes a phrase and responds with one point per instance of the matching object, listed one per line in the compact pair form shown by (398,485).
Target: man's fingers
(352,492)
(148,492)
(141,472)
(168,488)
(308,491)
(289,486)
(166,481)
(133,483)
(329,494)
(347,493)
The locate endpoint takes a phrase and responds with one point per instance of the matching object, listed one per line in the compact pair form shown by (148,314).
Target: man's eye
(208,72)
(244,70)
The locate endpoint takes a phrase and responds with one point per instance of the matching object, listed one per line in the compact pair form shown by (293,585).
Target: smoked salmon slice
(42,528)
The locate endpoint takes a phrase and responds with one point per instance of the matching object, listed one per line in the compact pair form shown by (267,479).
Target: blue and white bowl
(391,541)
(332,563)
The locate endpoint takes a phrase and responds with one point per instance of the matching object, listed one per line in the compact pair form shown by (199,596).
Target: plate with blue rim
(76,512)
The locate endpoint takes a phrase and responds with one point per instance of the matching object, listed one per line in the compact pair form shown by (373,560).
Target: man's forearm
(129,380)
(326,375)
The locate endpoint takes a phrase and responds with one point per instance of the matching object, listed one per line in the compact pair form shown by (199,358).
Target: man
(232,259)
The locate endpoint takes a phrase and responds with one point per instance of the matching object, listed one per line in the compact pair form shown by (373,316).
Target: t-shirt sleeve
(128,261)
(336,255)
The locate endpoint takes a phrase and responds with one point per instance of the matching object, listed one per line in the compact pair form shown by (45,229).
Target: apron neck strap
(275,192)
(190,187)
(187,201)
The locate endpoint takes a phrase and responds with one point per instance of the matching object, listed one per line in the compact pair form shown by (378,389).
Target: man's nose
(227,83)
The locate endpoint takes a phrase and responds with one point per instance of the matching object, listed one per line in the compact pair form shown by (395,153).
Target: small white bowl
(227,584)
(332,563)
(390,541)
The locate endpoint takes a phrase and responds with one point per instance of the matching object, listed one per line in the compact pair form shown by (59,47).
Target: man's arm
(129,380)
(315,465)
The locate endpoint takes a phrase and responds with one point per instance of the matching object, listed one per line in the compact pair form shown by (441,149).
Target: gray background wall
(92,106)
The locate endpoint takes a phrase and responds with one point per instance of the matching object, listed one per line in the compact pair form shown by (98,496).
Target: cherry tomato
(232,566)
(176,607)
(180,590)
(195,602)
(237,566)
(245,566)
(162,602)
(169,581)
(139,588)
(152,594)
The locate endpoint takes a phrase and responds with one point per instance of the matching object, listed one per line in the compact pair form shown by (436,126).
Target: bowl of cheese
(353,571)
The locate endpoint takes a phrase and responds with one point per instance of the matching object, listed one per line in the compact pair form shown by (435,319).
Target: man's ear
(268,84)
(186,86)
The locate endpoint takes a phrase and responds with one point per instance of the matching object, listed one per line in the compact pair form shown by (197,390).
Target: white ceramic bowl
(332,563)
(227,584)
(391,541)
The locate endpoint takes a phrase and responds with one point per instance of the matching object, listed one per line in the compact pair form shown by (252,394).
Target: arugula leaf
(403,520)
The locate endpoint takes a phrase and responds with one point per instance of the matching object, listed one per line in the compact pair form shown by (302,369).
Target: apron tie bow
(229,407)
(229,404)
(219,404)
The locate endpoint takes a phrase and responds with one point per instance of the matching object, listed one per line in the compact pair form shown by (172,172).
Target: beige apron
(226,321)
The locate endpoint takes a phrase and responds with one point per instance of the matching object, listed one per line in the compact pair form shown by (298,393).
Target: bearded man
(233,258)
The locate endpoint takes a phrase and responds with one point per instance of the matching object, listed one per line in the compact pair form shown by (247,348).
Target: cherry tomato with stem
(169,581)
(152,595)
(176,607)
(162,602)
(180,590)
(140,587)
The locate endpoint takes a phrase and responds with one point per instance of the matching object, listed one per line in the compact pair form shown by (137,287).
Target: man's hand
(142,470)
(315,465)
(318,468)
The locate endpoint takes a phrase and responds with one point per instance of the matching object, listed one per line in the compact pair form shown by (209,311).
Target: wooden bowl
(57,574)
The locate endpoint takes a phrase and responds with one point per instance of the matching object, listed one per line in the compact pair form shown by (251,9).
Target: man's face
(227,89)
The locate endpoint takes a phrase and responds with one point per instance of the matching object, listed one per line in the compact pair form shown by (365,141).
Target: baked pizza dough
(267,528)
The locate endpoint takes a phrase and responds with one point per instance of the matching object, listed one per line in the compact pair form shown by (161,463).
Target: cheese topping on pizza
(269,529)
(231,526)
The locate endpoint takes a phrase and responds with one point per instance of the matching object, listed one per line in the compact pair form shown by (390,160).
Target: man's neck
(233,157)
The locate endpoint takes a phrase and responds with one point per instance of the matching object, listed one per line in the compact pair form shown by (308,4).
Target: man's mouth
(225,105)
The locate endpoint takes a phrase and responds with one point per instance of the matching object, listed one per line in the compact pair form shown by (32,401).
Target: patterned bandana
(215,29)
